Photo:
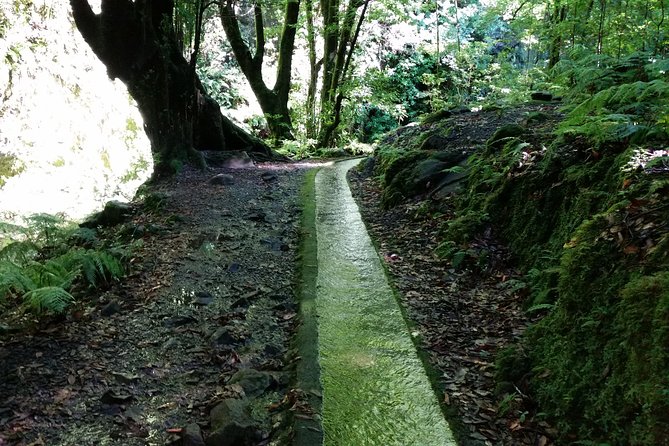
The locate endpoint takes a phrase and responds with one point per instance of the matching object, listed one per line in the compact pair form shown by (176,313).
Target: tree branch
(260,34)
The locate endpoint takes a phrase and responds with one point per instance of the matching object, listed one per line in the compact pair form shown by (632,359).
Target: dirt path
(211,293)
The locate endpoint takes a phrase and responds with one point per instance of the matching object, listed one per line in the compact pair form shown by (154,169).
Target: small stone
(113,397)
(541,96)
(232,424)
(268,177)
(125,378)
(178,321)
(192,436)
(222,336)
(110,309)
(257,215)
(203,298)
(169,344)
(254,382)
(222,179)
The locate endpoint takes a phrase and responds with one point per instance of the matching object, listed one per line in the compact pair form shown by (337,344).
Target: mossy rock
(404,162)
(536,118)
(541,96)
(503,134)
(434,142)
(437,116)
(419,173)
(114,213)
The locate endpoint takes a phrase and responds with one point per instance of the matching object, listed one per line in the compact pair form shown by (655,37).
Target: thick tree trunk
(136,42)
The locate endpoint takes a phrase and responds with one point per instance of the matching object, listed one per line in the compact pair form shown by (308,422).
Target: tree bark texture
(136,42)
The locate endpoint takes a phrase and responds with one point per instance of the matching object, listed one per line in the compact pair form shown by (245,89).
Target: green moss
(503,134)
(602,356)
(599,358)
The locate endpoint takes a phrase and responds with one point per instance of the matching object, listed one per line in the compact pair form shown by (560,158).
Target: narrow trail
(375,389)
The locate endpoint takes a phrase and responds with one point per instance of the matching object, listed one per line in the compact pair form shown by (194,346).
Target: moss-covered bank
(589,227)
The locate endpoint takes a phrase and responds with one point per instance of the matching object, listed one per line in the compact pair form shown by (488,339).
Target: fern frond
(19,251)
(54,272)
(14,279)
(50,298)
(87,237)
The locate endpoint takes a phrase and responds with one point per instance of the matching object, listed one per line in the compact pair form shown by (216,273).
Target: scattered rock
(434,142)
(125,378)
(541,96)
(113,397)
(232,424)
(114,213)
(192,436)
(178,321)
(203,298)
(222,336)
(503,134)
(257,215)
(269,177)
(254,382)
(222,179)
(169,344)
(110,309)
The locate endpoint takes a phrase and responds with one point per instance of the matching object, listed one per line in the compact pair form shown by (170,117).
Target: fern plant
(43,267)
(632,112)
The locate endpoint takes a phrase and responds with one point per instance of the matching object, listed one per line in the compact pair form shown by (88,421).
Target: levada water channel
(375,388)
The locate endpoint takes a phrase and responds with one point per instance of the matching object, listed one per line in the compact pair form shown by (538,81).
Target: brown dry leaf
(170,405)
(447,399)
(631,249)
(62,395)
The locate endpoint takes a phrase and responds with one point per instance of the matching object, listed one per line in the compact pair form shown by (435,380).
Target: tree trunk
(273,102)
(137,44)
(555,49)
(314,68)
(332,99)
(329,127)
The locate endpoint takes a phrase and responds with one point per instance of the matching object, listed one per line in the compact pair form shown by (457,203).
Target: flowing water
(375,388)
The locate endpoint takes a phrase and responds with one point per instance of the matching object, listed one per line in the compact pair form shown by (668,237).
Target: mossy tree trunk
(274,101)
(137,43)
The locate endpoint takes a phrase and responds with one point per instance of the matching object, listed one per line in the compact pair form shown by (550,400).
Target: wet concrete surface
(375,388)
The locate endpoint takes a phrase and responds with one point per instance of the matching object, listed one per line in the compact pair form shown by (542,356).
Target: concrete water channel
(375,389)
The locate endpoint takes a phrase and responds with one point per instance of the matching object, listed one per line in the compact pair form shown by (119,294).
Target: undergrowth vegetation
(584,211)
(44,264)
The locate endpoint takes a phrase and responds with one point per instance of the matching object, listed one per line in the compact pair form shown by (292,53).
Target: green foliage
(371,121)
(41,267)
(297,149)
(9,167)
(634,112)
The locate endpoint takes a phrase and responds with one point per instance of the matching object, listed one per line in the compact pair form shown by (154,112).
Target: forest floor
(207,316)
(211,292)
